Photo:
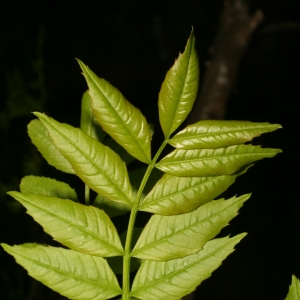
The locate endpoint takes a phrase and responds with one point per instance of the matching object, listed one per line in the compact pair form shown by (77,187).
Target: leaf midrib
(190,226)
(205,134)
(184,160)
(74,224)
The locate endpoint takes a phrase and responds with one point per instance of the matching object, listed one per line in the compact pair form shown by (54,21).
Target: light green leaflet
(211,134)
(294,291)
(169,237)
(47,187)
(74,275)
(40,138)
(176,278)
(88,123)
(98,166)
(82,228)
(211,162)
(177,195)
(179,89)
(118,117)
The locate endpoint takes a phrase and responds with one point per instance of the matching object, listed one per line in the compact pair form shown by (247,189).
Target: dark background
(132,44)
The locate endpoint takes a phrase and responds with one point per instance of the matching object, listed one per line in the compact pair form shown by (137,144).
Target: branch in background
(233,36)
(232,39)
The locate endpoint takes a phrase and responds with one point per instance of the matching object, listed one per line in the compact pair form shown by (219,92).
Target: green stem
(87,195)
(134,211)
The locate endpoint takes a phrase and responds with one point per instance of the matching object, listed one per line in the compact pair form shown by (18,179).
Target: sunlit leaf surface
(176,278)
(211,162)
(118,117)
(82,228)
(74,275)
(179,89)
(212,134)
(169,237)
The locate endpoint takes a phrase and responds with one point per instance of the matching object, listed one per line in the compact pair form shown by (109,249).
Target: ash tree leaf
(97,165)
(74,275)
(170,237)
(40,138)
(178,195)
(81,228)
(294,290)
(212,134)
(118,117)
(212,162)
(111,208)
(176,278)
(179,89)
(47,187)
(88,123)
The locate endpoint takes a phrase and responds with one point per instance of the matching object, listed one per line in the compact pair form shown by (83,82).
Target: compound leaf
(212,162)
(179,89)
(47,187)
(40,138)
(82,228)
(170,237)
(118,117)
(97,165)
(177,195)
(294,291)
(176,278)
(212,134)
(88,123)
(74,275)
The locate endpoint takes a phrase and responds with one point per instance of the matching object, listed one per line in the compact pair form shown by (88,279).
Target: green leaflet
(74,275)
(111,208)
(88,123)
(118,117)
(47,187)
(179,89)
(176,278)
(40,138)
(211,162)
(169,237)
(98,166)
(177,195)
(294,290)
(82,228)
(212,134)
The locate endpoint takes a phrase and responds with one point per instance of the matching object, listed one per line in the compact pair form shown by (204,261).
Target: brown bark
(232,39)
